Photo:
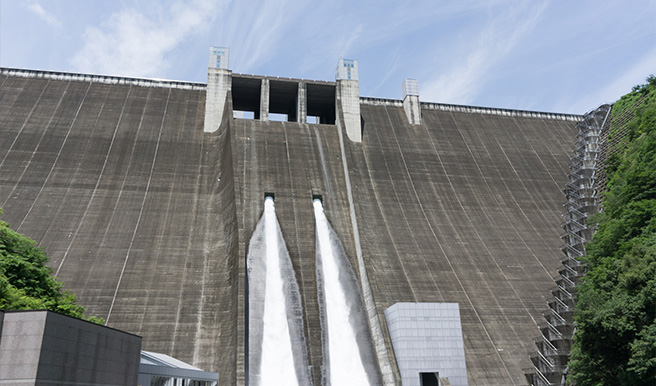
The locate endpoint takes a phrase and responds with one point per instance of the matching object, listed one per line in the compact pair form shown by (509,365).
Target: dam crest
(147,193)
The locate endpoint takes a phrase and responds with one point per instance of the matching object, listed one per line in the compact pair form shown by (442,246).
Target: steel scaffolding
(554,345)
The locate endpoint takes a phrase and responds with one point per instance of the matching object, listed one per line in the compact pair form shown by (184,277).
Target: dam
(146,193)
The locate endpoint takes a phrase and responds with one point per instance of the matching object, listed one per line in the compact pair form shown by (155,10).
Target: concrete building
(45,348)
(433,203)
(428,344)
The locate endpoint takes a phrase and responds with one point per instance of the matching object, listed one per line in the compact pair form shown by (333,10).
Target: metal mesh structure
(554,345)
(613,140)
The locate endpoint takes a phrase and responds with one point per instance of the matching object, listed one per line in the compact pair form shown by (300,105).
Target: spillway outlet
(317,197)
(269,194)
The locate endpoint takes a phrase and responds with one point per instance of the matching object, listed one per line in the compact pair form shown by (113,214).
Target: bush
(615,340)
(27,283)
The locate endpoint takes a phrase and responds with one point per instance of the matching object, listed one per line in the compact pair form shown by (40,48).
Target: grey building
(427,341)
(47,348)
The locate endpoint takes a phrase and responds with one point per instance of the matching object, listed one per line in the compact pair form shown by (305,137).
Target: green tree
(26,282)
(615,340)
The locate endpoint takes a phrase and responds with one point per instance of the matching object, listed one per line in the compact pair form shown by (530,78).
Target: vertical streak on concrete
(264,100)
(411,105)
(95,189)
(29,116)
(412,110)
(367,294)
(221,238)
(301,103)
(219,82)
(432,230)
(347,97)
(68,132)
(348,102)
(38,145)
(141,210)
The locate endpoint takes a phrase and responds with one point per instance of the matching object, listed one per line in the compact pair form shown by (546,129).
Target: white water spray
(272,346)
(277,357)
(345,362)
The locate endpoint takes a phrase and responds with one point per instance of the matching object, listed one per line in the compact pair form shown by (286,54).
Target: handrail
(107,79)
(545,360)
(474,109)
(548,342)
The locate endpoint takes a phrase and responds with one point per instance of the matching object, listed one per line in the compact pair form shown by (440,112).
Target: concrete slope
(119,186)
(147,218)
(464,208)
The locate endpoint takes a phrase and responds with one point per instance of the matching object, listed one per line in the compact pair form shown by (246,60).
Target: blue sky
(560,56)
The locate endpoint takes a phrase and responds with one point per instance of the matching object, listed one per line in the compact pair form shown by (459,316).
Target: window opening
(239,114)
(429,379)
(278,117)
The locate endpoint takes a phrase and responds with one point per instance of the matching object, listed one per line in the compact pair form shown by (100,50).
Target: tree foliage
(615,340)
(26,282)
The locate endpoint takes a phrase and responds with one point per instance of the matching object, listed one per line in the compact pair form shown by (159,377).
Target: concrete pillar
(301,103)
(264,100)
(348,97)
(410,90)
(219,82)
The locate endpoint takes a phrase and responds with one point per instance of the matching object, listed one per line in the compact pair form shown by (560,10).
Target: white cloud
(623,84)
(133,44)
(38,10)
(633,76)
(255,29)
(391,67)
(465,79)
(339,28)
(461,85)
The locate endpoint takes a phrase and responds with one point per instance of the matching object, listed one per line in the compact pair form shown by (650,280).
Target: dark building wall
(45,348)
(148,219)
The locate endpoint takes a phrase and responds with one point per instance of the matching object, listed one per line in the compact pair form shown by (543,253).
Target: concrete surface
(147,218)
(118,185)
(348,98)
(219,82)
(264,100)
(411,104)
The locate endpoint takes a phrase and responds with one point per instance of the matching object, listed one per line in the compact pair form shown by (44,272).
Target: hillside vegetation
(26,282)
(615,340)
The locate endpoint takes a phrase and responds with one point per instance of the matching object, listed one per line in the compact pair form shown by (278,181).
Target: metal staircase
(555,342)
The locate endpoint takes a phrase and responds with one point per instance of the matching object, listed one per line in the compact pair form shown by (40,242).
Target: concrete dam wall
(147,217)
